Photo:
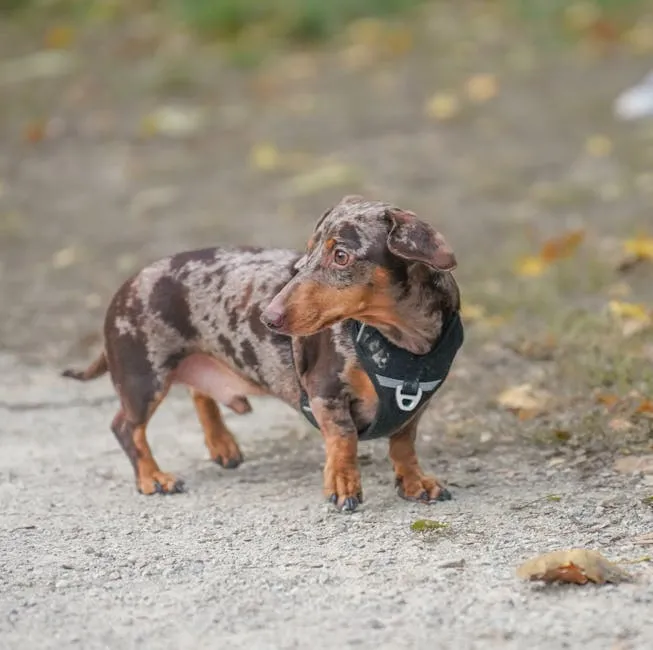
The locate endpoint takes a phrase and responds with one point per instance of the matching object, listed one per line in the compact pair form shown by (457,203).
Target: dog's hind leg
(220,442)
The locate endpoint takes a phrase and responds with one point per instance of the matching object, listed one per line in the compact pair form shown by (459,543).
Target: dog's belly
(215,378)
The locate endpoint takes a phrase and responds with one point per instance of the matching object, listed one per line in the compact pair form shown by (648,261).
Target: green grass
(302,21)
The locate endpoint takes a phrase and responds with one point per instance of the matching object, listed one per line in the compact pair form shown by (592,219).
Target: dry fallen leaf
(608,400)
(552,250)
(640,247)
(563,246)
(530,267)
(59,37)
(634,465)
(578,566)
(65,257)
(442,106)
(645,407)
(265,156)
(481,88)
(172,121)
(471,312)
(598,146)
(620,425)
(633,317)
(328,175)
(35,131)
(525,401)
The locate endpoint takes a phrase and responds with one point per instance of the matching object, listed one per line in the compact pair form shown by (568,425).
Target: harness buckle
(408,401)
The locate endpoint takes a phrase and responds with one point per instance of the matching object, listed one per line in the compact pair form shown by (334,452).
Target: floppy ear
(417,241)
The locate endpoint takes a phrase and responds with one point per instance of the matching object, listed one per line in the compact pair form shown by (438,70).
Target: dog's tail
(95,370)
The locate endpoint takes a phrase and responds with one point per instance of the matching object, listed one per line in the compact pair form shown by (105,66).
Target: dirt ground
(94,185)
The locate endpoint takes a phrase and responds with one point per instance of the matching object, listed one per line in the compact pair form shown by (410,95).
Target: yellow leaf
(481,88)
(367,31)
(59,37)
(640,38)
(65,257)
(442,106)
(175,122)
(324,177)
(265,156)
(598,146)
(471,312)
(530,267)
(640,247)
(629,310)
(398,40)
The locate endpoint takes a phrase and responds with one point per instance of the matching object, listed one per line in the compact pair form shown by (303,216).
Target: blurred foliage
(301,21)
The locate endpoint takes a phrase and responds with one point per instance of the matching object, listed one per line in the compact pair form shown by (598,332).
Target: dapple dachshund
(357,334)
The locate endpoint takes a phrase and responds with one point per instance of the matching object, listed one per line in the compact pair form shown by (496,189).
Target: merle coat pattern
(230,323)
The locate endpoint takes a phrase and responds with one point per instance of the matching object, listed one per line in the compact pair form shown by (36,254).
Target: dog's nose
(273,317)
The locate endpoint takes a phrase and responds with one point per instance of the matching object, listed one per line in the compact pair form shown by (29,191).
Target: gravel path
(254,559)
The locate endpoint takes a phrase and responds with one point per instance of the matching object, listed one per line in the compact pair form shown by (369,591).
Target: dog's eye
(340,257)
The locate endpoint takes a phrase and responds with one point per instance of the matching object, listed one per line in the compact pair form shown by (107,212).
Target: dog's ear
(417,241)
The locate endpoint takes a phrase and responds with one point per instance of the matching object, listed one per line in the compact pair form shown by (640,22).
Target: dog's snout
(273,317)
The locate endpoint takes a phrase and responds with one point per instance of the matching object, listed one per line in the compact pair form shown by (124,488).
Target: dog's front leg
(412,484)
(342,480)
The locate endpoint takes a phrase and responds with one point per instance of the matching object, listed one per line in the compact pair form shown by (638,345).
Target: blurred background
(134,129)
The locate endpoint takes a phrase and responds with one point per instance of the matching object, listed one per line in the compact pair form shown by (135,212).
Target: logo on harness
(408,394)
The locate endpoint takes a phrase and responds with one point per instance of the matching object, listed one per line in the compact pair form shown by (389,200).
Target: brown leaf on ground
(563,246)
(577,566)
(552,250)
(525,400)
(608,400)
(645,407)
(59,37)
(634,464)
(35,131)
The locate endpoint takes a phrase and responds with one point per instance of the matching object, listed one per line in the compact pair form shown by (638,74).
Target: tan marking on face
(330,243)
(311,306)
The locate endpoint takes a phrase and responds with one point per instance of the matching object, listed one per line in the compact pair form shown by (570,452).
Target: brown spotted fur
(198,317)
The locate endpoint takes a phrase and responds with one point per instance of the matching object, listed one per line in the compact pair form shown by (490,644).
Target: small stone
(452,564)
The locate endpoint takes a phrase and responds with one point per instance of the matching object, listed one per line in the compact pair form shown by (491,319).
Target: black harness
(404,381)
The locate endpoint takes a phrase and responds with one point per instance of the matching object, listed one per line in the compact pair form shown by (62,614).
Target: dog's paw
(228,462)
(227,453)
(421,488)
(346,503)
(160,483)
(342,487)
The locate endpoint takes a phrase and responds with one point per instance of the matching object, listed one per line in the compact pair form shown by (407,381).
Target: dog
(357,333)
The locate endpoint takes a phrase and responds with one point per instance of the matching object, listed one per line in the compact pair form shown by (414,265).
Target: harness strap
(404,382)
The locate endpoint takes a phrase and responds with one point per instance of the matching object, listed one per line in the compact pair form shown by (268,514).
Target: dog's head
(354,266)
